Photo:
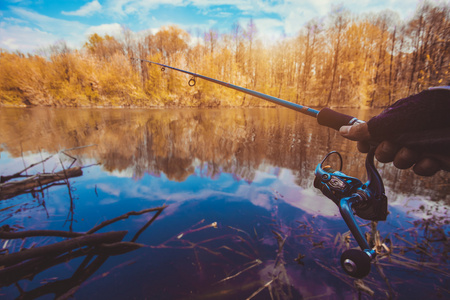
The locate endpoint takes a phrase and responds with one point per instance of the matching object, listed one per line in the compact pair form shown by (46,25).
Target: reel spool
(367,201)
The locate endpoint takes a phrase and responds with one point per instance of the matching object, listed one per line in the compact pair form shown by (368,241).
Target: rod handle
(333,119)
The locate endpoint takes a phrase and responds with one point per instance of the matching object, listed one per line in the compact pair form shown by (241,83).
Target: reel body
(366,200)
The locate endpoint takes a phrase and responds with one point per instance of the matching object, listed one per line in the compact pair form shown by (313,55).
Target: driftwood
(97,247)
(38,182)
(11,235)
(64,289)
(61,247)
(19,174)
(13,188)
(29,268)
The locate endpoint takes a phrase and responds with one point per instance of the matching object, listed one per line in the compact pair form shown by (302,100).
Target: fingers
(430,164)
(386,151)
(356,132)
(363,147)
(404,158)
(427,167)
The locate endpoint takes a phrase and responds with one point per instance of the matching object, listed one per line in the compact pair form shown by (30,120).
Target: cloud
(23,38)
(70,30)
(269,29)
(107,201)
(122,8)
(37,31)
(113,29)
(47,23)
(86,10)
(109,189)
(20,27)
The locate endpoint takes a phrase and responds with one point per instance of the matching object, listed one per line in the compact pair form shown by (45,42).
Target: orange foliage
(341,61)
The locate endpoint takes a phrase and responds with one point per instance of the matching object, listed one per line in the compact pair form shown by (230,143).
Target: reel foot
(356,263)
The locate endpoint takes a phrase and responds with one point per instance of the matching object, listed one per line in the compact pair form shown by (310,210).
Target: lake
(220,201)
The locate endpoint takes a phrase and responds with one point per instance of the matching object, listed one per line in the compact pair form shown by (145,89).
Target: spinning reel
(367,201)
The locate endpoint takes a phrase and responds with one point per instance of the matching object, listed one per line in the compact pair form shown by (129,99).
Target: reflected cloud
(419,207)
(108,189)
(107,201)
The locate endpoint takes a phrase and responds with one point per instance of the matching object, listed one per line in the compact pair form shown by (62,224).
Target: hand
(402,157)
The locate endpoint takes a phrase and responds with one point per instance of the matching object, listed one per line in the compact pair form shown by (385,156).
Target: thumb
(356,132)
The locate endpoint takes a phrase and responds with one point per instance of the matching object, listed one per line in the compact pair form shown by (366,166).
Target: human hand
(402,157)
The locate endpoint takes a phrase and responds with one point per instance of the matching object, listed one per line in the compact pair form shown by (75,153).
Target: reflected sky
(251,171)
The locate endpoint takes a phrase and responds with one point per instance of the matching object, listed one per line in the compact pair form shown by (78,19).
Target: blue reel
(368,201)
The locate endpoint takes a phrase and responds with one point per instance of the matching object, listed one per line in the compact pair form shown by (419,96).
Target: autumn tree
(237,34)
(211,37)
(339,21)
(103,47)
(431,46)
(306,64)
(170,41)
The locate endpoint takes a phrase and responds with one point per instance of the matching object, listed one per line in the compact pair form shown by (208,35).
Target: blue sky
(27,25)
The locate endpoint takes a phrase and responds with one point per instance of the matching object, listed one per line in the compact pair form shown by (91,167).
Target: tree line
(343,60)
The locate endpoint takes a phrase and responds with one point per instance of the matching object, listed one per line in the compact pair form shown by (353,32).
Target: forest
(341,60)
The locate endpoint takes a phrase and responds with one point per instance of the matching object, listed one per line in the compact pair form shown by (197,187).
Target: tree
(211,37)
(250,34)
(103,47)
(238,47)
(313,30)
(339,21)
(171,41)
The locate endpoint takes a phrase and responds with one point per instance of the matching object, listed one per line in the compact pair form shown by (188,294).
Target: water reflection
(242,218)
(176,142)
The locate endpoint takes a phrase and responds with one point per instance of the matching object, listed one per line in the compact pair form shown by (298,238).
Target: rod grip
(334,119)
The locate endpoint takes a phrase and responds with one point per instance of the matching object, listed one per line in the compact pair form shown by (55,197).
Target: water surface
(241,219)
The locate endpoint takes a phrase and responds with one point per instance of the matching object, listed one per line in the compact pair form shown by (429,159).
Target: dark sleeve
(427,110)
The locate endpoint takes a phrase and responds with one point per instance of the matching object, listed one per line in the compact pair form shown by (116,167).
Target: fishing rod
(326,116)
(352,196)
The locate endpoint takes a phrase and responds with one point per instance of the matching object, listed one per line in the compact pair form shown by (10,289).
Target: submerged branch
(31,233)
(124,216)
(255,263)
(260,289)
(4,179)
(61,247)
(14,188)
(27,263)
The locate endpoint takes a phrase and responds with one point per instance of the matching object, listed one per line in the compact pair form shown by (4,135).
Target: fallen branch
(61,247)
(26,264)
(14,188)
(29,268)
(30,233)
(124,216)
(260,289)
(19,174)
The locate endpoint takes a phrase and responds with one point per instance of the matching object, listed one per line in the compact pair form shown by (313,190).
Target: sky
(28,26)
